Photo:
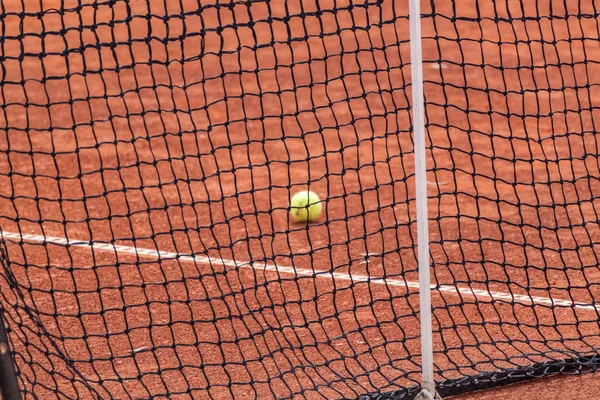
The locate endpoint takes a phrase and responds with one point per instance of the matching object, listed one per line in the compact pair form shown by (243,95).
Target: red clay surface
(199,152)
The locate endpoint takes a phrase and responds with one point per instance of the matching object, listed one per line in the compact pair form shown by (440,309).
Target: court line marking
(444,183)
(270,267)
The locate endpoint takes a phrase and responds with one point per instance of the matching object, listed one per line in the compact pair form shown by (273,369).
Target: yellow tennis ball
(305,206)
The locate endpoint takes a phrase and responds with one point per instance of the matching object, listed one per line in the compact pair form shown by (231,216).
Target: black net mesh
(512,107)
(149,151)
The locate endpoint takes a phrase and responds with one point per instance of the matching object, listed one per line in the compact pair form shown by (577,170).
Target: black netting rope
(149,151)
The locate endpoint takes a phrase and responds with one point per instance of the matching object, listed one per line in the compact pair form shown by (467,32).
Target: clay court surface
(148,153)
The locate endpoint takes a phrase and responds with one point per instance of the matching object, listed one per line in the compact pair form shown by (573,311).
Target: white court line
(160,255)
(437,183)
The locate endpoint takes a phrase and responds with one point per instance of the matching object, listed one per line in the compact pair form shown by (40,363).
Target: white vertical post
(418,108)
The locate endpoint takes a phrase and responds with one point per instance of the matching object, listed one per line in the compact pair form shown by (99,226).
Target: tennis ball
(305,206)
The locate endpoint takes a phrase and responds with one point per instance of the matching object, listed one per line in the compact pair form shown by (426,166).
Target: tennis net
(149,151)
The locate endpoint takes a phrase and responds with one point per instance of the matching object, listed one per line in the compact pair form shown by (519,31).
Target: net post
(418,111)
(9,386)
